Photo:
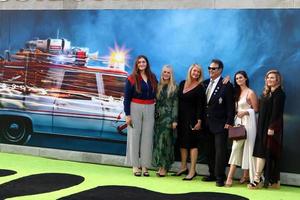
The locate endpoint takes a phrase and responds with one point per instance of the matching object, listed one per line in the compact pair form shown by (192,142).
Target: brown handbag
(237,132)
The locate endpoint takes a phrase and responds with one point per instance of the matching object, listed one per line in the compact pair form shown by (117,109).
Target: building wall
(145,4)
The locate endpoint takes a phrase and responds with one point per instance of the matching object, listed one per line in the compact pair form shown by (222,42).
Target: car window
(43,80)
(114,85)
(79,85)
(13,75)
(35,79)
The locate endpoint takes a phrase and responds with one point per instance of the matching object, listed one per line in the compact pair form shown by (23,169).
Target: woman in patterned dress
(165,121)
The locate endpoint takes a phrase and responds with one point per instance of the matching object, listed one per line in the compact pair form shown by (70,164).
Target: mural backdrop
(62,72)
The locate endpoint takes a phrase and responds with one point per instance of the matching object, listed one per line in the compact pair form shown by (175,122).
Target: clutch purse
(237,132)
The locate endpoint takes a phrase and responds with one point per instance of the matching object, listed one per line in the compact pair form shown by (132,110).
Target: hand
(241,114)
(174,125)
(270,132)
(227,126)
(128,120)
(226,80)
(197,126)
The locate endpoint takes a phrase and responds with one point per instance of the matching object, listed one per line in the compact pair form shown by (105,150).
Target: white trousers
(140,136)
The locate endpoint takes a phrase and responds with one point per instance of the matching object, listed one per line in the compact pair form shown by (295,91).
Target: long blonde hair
(170,84)
(188,81)
(267,89)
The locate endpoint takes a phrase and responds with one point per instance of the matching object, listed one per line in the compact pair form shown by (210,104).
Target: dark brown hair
(237,88)
(136,74)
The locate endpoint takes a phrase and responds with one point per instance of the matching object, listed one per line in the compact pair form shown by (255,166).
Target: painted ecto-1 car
(48,87)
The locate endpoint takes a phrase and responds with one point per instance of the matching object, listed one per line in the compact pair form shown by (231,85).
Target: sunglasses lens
(212,68)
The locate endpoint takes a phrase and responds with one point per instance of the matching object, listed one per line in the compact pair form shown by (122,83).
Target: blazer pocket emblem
(220,100)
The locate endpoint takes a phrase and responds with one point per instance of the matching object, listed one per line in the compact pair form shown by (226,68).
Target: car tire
(15,130)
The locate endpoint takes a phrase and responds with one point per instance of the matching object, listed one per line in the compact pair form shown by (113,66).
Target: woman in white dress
(246,106)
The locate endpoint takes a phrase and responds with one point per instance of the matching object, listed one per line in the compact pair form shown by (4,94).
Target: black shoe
(256,185)
(137,173)
(189,179)
(181,173)
(209,179)
(220,183)
(161,175)
(146,174)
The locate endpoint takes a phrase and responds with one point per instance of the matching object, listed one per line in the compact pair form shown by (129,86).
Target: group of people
(158,113)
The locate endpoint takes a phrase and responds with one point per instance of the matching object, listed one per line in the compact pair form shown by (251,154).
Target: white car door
(76,111)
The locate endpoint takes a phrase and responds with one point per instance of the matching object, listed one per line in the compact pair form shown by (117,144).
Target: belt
(143,101)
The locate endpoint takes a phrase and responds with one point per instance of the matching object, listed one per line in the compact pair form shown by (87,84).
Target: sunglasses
(212,68)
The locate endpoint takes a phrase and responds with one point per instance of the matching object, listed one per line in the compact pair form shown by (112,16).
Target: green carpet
(102,175)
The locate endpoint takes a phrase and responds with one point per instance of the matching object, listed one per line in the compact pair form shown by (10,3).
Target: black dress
(269,147)
(190,108)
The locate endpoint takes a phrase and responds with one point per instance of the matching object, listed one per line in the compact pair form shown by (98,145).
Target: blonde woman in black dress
(192,99)
(268,143)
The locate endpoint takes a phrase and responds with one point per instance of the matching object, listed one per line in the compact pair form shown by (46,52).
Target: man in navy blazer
(219,117)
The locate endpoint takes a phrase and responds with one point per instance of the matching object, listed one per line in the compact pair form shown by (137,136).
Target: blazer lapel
(206,83)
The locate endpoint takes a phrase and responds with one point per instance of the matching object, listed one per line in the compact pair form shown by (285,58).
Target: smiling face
(166,74)
(142,64)
(195,73)
(240,80)
(272,80)
(214,70)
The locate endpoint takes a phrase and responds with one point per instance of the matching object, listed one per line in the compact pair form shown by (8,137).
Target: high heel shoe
(158,172)
(161,175)
(228,182)
(256,185)
(181,173)
(137,173)
(146,174)
(244,180)
(189,179)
